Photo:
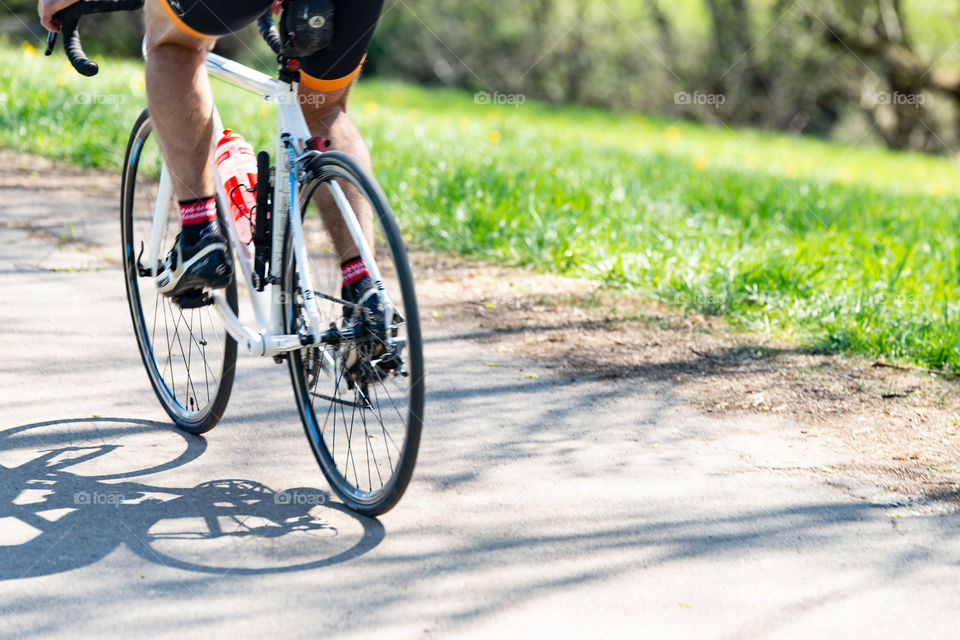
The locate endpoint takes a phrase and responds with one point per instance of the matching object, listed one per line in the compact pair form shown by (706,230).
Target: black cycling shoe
(364,326)
(187,270)
(368,312)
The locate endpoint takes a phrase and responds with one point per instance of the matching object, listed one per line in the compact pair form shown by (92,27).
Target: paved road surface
(540,508)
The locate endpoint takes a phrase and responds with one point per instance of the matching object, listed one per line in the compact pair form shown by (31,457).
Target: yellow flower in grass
(939,187)
(673,134)
(494,136)
(845,176)
(699,164)
(371,106)
(29,49)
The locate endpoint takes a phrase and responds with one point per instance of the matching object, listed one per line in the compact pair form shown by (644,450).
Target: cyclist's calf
(321,107)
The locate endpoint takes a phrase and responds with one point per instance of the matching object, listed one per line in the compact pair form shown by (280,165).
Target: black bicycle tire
(397,485)
(208,418)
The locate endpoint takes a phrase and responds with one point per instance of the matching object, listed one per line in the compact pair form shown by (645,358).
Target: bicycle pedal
(193,299)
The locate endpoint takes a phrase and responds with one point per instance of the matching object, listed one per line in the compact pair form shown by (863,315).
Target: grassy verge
(846,249)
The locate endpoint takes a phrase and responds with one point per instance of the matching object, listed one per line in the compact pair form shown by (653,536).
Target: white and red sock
(353,271)
(195,216)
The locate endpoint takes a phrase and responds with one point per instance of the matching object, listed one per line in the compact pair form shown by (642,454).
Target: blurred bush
(862,70)
(690,58)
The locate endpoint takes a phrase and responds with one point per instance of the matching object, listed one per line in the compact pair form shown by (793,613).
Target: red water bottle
(237,167)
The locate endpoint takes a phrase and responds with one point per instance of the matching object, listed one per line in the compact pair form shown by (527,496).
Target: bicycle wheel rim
(370,466)
(179,348)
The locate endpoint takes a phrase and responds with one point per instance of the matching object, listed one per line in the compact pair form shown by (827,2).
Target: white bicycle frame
(269,337)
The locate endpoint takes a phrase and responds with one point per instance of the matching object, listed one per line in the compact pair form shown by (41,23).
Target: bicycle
(359,394)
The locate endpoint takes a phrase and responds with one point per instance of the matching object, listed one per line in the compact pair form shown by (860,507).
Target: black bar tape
(69,18)
(269,31)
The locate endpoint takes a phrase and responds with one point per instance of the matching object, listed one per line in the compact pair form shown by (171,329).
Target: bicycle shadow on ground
(66,502)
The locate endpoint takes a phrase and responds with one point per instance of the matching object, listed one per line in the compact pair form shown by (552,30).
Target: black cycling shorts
(329,69)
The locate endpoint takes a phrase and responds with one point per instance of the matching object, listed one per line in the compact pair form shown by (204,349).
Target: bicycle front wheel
(189,357)
(364,428)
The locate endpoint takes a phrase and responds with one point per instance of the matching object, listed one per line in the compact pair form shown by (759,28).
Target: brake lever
(51,42)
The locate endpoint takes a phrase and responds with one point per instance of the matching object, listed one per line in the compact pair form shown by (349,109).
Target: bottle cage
(306,26)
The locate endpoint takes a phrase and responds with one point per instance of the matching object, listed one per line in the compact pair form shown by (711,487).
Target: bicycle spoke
(369,448)
(189,349)
(383,430)
(326,419)
(173,384)
(213,322)
(203,351)
(341,401)
(156,305)
(348,434)
(200,347)
(183,355)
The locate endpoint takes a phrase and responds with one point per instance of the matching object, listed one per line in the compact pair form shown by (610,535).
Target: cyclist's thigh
(197,23)
(334,67)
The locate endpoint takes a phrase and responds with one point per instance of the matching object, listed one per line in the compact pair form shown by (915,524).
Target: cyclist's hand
(46,9)
(276,8)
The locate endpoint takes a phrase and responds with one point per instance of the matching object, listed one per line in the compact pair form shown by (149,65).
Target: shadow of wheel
(65,503)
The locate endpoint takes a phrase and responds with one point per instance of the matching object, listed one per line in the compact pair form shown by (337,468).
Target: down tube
(241,251)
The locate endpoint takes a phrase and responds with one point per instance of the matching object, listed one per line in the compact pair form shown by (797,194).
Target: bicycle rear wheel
(364,430)
(189,357)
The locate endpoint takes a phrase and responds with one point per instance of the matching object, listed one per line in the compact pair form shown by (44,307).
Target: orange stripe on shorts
(319,84)
(180,24)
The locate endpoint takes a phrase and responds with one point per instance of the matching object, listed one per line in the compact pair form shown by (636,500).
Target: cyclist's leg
(180,101)
(181,109)
(325,82)
(178,89)
(326,115)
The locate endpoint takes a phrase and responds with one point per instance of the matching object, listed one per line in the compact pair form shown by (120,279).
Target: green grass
(838,248)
